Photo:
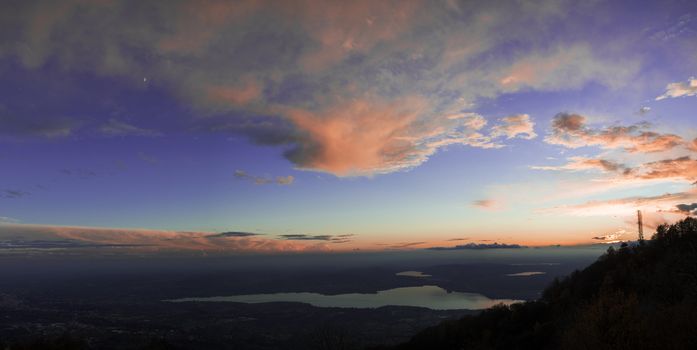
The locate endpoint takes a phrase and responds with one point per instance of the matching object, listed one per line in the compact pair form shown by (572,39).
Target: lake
(432,297)
(526,274)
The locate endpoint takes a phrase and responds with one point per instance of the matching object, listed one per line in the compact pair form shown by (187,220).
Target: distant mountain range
(476,246)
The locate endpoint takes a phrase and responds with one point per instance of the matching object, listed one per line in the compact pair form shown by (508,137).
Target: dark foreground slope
(642,296)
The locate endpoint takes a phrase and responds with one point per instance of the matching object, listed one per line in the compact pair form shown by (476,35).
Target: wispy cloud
(148,158)
(563,68)
(303,237)
(13,125)
(680,89)
(236,95)
(8,220)
(232,234)
(56,244)
(285,180)
(488,204)
(79,172)
(336,239)
(261,180)
(682,169)
(407,245)
(571,130)
(626,206)
(13,193)
(115,127)
(584,163)
(515,125)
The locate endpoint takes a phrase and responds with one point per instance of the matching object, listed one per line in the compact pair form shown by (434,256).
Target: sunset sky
(313,125)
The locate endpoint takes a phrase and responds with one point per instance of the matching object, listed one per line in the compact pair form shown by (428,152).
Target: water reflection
(526,273)
(432,297)
(412,274)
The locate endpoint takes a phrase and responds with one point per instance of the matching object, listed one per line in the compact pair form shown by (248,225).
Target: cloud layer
(357,88)
(158,240)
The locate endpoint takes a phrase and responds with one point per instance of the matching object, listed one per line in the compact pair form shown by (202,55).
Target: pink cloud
(515,125)
(626,206)
(570,130)
(471,120)
(584,163)
(488,204)
(236,95)
(361,136)
(684,168)
(649,142)
(39,30)
(197,23)
(367,135)
(564,68)
(340,29)
(244,55)
(674,169)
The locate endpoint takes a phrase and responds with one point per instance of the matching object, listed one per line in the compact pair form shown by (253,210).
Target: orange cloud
(684,168)
(649,142)
(693,145)
(359,137)
(368,135)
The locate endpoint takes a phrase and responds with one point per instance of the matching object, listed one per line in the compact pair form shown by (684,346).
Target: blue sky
(356,125)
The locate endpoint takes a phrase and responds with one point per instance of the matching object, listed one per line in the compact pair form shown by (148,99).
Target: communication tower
(640,224)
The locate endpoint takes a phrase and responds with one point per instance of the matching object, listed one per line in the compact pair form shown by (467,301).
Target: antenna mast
(641,226)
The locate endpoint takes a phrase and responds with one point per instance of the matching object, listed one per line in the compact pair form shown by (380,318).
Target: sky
(271,126)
